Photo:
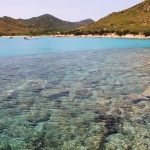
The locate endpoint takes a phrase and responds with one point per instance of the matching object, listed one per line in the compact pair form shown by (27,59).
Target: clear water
(74,94)
(19,46)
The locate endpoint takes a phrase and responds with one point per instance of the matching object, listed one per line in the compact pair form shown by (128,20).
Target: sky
(68,10)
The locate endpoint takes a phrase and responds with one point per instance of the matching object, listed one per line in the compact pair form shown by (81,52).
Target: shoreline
(127,36)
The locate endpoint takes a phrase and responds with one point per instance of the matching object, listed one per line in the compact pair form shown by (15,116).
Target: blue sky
(68,10)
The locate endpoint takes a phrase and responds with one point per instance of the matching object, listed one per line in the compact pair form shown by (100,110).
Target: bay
(74,93)
(18,46)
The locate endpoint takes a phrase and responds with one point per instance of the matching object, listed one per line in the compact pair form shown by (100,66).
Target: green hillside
(10,26)
(134,19)
(49,22)
(45,24)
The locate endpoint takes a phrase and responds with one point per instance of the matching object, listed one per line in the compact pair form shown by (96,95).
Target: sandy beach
(130,36)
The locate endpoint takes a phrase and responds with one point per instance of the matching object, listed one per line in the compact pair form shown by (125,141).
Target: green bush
(134,32)
(89,32)
(1,34)
(78,33)
(112,31)
(101,32)
(147,33)
(119,33)
(125,32)
(95,32)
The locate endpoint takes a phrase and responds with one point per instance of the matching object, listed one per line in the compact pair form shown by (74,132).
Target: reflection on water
(89,100)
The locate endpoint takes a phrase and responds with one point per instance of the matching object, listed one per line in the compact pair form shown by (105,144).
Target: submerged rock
(38,85)
(35,117)
(58,104)
(3,126)
(83,93)
(8,95)
(54,93)
(111,123)
(118,83)
(135,98)
(147,92)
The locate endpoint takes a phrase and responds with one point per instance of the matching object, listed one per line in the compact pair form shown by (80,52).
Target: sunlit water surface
(74,94)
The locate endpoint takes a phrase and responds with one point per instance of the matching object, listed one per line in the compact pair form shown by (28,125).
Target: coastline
(127,36)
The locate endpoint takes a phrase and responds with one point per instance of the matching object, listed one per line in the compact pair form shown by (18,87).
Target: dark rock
(111,123)
(83,93)
(58,104)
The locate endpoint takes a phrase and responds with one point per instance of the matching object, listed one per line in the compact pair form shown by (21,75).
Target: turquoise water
(74,94)
(19,46)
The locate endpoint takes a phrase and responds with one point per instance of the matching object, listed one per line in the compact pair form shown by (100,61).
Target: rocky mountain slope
(136,18)
(44,24)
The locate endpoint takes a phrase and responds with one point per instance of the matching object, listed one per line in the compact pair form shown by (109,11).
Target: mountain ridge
(49,22)
(134,20)
(44,24)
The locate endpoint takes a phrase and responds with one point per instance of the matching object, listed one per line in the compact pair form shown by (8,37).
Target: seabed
(89,100)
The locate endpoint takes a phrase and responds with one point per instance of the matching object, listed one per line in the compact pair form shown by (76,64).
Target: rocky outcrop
(147,92)
(54,93)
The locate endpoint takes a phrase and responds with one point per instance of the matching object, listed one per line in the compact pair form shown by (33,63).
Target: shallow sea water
(82,99)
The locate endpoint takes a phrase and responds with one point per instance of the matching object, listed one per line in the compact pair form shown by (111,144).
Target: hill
(45,24)
(49,22)
(10,26)
(134,19)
